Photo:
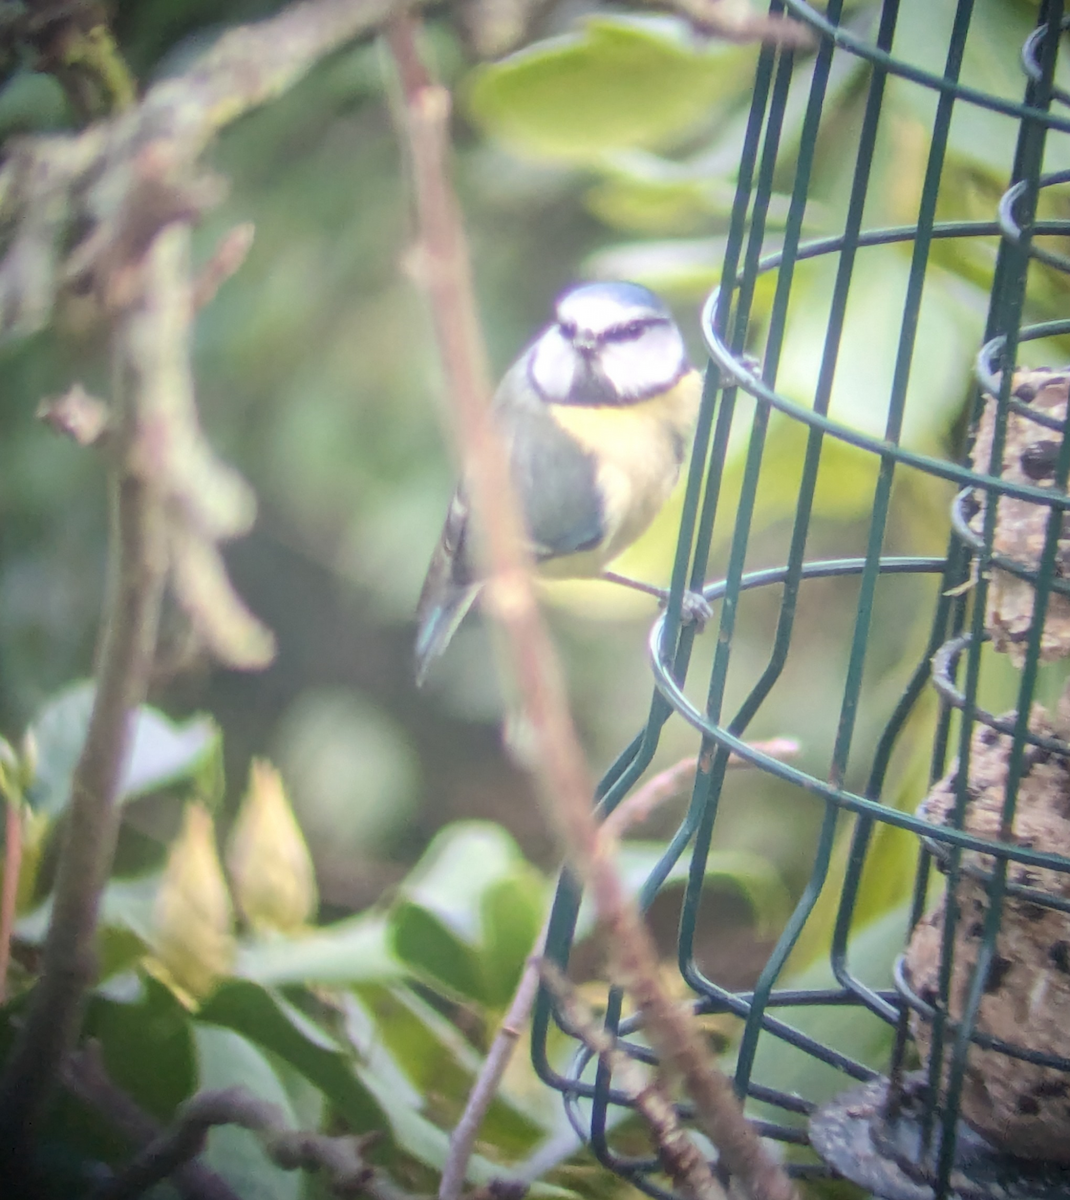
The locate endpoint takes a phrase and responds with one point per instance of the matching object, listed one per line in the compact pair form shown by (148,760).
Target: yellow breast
(638,449)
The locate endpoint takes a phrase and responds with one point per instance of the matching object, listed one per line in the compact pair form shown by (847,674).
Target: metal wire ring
(961,528)
(1012,229)
(740,372)
(882,59)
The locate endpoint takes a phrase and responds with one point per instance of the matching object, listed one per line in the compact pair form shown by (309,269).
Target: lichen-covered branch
(110,209)
(92,183)
(561,772)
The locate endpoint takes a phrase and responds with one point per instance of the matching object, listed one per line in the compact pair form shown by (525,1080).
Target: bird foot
(695,610)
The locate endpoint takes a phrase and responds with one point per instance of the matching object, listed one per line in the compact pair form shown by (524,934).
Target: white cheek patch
(553,365)
(646,365)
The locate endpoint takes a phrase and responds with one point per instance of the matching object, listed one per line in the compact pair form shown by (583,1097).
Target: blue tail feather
(437,623)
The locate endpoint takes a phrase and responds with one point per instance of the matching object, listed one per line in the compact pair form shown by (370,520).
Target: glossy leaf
(854,1031)
(397,1032)
(272,1023)
(430,948)
(353,951)
(228,1060)
(513,912)
(147,1046)
(126,906)
(620,82)
(439,921)
(163,751)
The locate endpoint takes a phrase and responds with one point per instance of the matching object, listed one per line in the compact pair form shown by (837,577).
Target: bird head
(609,343)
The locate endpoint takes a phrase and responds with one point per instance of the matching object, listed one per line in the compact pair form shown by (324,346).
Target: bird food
(1021,1107)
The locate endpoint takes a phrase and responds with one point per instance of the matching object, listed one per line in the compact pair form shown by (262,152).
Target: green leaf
(646,193)
(163,751)
(683,266)
(976,134)
(226,1059)
(754,877)
(125,911)
(400,1035)
(462,862)
(147,1046)
(952,315)
(513,911)
(353,951)
(619,83)
(429,947)
(438,923)
(269,1021)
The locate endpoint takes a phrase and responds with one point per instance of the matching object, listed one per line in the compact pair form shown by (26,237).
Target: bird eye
(627,333)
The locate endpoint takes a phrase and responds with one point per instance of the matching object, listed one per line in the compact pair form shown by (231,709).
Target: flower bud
(193,918)
(269,863)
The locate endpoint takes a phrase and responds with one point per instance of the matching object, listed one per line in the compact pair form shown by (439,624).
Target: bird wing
(556,484)
(554,476)
(448,590)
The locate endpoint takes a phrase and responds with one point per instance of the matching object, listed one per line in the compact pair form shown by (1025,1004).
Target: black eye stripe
(633,330)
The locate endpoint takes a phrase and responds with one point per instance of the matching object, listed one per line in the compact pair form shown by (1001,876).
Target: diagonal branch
(565,783)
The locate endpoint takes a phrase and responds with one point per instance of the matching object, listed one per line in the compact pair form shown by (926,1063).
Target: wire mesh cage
(973,1096)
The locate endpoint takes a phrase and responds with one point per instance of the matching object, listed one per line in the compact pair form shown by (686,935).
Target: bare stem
(487,1082)
(562,773)
(678,1153)
(138,552)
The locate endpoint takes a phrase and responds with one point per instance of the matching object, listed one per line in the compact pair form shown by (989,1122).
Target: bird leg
(695,609)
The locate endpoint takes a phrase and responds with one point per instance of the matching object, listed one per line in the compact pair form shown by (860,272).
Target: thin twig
(633,809)
(678,1153)
(171,1153)
(661,788)
(227,257)
(566,785)
(59,188)
(486,1084)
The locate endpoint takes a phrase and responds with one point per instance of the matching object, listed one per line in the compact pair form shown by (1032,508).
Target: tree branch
(562,774)
(678,1153)
(637,807)
(84,1076)
(137,570)
(339,1159)
(53,187)
(129,188)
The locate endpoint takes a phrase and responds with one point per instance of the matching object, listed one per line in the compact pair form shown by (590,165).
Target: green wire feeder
(966,1088)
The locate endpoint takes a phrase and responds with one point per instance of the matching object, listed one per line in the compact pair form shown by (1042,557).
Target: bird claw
(695,610)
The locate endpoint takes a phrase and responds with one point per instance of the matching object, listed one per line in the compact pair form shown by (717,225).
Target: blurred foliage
(354,1023)
(607,148)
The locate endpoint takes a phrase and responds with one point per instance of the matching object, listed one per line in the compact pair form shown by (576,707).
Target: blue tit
(596,416)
